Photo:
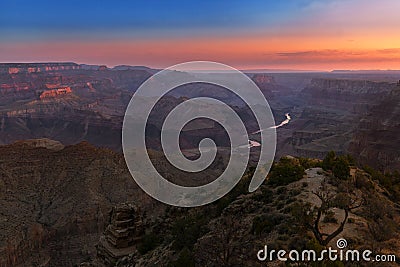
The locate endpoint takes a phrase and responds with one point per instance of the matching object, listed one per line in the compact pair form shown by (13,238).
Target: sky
(251,34)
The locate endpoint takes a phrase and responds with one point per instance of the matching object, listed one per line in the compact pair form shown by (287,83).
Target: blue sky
(24,19)
(287,34)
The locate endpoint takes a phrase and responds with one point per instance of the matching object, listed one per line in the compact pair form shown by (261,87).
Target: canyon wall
(376,140)
(351,95)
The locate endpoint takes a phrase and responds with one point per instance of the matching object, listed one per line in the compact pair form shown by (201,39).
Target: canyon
(67,198)
(72,103)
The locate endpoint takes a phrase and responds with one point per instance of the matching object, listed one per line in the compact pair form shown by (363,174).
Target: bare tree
(328,201)
(310,216)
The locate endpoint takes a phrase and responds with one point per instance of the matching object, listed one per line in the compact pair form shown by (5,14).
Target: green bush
(308,163)
(266,196)
(329,160)
(341,168)
(285,172)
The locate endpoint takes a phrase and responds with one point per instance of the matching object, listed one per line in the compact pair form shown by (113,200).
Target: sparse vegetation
(286,171)
(339,165)
(265,223)
(390,181)
(187,230)
(308,163)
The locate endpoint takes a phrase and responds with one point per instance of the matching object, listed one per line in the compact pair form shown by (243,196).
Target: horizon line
(241,69)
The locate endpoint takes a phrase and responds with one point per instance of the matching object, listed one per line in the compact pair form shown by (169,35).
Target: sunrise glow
(313,35)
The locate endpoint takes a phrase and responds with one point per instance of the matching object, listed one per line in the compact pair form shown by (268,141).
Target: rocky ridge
(54,201)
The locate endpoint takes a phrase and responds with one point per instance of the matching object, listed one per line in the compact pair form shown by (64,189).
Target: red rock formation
(55,92)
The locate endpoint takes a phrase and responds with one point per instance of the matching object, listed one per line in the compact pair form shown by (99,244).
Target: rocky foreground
(54,201)
(78,205)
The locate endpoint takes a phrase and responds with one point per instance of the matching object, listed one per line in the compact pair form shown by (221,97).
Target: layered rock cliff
(376,140)
(328,114)
(65,102)
(351,95)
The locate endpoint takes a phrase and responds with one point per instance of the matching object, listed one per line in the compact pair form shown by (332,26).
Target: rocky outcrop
(62,91)
(121,235)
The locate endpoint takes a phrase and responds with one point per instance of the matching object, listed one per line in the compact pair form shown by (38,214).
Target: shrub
(363,182)
(285,172)
(329,160)
(341,168)
(266,196)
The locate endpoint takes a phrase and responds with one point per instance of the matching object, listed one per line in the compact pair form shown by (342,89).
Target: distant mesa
(15,68)
(141,68)
(93,67)
(127,67)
